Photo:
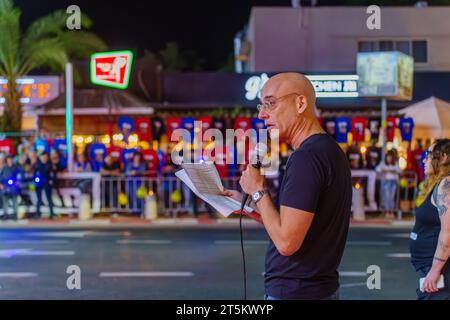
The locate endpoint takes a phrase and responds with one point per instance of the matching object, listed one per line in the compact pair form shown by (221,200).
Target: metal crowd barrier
(405,195)
(126,194)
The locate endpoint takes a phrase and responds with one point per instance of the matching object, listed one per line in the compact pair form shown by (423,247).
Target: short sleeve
(304,182)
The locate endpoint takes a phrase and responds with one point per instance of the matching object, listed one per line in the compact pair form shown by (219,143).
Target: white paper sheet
(204,176)
(224,205)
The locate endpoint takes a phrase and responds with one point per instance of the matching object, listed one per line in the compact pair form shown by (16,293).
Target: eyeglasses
(272,103)
(428,154)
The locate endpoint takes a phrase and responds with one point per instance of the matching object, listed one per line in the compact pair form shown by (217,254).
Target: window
(403,46)
(386,46)
(366,46)
(419,51)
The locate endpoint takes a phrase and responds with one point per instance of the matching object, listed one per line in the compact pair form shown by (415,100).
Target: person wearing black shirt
(430,237)
(373,156)
(110,168)
(308,230)
(9,186)
(43,178)
(354,156)
(57,168)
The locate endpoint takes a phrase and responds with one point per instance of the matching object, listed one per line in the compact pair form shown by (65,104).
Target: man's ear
(301,104)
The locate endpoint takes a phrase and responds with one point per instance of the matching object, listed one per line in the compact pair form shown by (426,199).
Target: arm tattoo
(441,198)
(443,246)
(440,259)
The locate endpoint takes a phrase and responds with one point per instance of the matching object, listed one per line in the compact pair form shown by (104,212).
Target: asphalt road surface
(177,263)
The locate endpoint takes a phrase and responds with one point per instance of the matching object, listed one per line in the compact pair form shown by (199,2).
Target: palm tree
(46,43)
(173,59)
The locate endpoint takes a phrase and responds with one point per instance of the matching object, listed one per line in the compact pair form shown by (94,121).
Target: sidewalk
(202,222)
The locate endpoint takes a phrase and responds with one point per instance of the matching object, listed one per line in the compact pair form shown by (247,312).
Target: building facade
(325,39)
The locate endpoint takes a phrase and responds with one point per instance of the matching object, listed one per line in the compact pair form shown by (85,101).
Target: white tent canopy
(431,118)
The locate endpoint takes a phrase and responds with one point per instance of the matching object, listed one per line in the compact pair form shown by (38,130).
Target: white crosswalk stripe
(399,255)
(235,242)
(145,274)
(369,243)
(137,241)
(18,274)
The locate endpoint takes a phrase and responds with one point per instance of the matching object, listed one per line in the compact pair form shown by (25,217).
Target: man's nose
(263,114)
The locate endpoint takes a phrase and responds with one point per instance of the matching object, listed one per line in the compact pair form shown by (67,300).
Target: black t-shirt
(425,235)
(373,157)
(317,180)
(113,166)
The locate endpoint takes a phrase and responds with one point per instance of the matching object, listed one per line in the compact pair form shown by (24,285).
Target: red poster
(172,123)
(151,159)
(391,125)
(359,125)
(7,146)
(243,123)
(143,129)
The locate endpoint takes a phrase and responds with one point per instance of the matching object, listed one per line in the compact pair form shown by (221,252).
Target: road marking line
(396,235)
(352,274)
(106,233)
(369,243)
(18,274)
(145,274)
(144,241)
(252,242)
(63,234)
(399,255)
(35,241)
(47,253)
(355,284)
(8,253)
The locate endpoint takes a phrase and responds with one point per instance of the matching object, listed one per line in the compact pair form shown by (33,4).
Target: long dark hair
(393,156)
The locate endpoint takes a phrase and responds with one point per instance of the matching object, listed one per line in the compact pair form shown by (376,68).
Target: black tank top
(424,236)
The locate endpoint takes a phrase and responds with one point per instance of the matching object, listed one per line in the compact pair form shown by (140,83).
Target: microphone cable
(243,254)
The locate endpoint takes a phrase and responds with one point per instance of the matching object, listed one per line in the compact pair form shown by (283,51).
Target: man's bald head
(289,107)
(287,83)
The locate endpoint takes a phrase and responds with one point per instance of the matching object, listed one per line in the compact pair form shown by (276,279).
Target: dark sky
(208,27)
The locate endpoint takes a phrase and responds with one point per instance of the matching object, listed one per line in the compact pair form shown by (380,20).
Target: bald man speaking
(309,229)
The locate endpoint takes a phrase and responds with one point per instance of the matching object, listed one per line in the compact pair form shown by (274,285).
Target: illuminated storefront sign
(111,69)
(35,91)
(326,86)
(385,74)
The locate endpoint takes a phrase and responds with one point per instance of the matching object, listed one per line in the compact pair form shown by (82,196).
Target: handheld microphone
(260,153)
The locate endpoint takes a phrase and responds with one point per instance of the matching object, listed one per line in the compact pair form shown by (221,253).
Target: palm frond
(81,44)
(6,6)
(47,52)
(51,25)
(9,39)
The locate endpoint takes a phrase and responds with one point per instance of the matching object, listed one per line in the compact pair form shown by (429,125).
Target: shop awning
(431,118)
(99,102)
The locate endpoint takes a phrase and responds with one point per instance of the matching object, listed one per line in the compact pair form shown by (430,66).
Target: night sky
(207,27)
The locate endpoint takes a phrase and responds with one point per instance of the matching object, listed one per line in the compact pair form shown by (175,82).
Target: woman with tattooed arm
(430,238)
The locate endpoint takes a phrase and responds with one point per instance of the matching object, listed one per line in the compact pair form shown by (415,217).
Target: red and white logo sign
(111,69)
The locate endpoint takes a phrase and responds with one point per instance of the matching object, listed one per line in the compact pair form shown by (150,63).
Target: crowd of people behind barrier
(35,169)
